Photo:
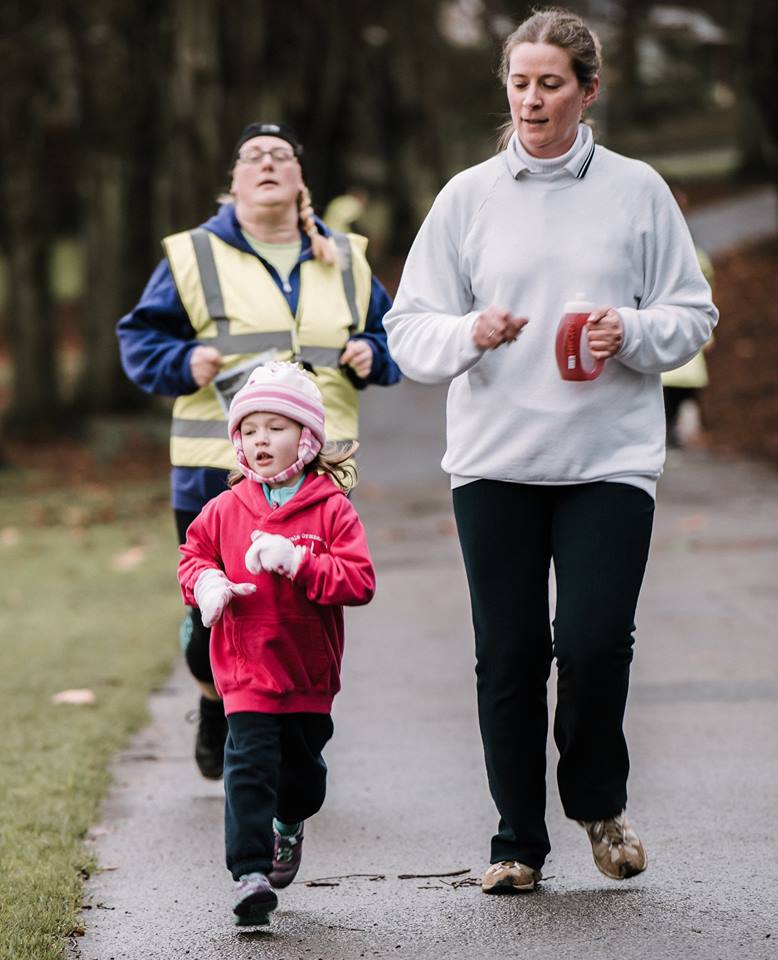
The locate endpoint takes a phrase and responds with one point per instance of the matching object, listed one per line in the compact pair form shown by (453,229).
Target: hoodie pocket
(284,655)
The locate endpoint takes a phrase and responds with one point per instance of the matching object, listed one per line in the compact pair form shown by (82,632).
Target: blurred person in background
(344,212)
(544,468)
(681,387)
(264,279)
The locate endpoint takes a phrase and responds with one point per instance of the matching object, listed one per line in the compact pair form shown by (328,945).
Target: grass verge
(88,600)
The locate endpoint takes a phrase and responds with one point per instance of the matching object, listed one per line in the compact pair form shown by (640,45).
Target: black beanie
(280,130)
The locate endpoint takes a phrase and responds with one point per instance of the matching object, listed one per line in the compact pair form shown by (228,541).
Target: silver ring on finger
(490,334)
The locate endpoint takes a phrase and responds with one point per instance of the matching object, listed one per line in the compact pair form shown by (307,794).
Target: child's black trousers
(273,767)
(598,536)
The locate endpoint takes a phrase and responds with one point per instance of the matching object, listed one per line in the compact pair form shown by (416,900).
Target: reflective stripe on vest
(221,289)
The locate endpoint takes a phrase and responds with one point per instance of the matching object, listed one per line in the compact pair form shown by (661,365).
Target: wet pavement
(407,792)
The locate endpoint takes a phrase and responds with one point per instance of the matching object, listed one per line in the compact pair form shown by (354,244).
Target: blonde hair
(322,247)
(560,28)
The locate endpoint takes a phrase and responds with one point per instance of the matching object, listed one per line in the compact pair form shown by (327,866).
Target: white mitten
(253,563)
(277,554)
(213,591)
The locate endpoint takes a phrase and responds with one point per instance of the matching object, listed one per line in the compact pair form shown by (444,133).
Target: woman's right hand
(205,363)
(496,326)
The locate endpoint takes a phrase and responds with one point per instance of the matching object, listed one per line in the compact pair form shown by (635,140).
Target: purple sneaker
(254,900)
(287,854)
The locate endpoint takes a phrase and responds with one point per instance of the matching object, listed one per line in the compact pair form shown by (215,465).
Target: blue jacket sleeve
(384,371)
(156,339)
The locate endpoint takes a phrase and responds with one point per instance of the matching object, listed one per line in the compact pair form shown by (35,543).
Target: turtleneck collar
(575,161)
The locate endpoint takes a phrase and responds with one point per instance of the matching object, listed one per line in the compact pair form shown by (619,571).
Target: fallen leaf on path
(76,697)
(129,559)
(99,832)
(75,516)
(9,536)
(693,523)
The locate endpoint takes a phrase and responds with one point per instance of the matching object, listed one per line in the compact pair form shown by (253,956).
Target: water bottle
(572,353)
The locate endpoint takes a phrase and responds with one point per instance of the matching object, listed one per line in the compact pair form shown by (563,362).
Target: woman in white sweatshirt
(543,468)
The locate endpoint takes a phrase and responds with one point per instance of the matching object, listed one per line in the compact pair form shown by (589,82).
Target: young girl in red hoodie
(271,563)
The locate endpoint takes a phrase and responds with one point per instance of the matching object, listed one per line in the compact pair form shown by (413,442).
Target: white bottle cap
(579,305)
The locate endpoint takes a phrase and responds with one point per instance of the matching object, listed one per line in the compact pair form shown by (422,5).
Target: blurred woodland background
(118,117)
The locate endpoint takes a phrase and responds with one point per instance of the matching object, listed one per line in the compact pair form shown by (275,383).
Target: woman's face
(265,181)
(546,100)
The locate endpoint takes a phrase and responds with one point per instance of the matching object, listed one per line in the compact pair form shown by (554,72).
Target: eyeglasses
(276,154)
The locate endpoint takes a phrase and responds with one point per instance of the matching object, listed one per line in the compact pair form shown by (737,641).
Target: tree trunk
(35,406)
(103,234)
(193,157)
(24,101)
(118,49)
(624,100)
(758,39)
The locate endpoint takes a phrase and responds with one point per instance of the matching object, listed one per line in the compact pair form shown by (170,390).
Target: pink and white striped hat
(279,387)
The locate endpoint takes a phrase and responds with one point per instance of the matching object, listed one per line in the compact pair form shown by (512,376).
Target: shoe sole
(252,920)
(628,871)
(503,887)
(252,910)
(211,776)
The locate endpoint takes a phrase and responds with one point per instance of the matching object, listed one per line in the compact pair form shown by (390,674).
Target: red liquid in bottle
(572,357)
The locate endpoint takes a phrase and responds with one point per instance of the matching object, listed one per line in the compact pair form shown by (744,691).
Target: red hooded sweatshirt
(279,649)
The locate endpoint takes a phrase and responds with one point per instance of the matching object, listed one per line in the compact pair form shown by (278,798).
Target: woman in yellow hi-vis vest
(262,279)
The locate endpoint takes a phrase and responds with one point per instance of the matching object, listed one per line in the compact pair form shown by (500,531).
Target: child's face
(270,442)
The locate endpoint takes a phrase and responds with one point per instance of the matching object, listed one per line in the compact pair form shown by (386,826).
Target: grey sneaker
(510,876)
(254,900)
(287,855)
(617,850)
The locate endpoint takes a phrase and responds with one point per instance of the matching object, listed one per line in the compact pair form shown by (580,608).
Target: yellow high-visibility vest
(234,304)
(694,373)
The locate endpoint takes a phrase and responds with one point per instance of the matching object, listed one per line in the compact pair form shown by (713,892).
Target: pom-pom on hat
(283,388)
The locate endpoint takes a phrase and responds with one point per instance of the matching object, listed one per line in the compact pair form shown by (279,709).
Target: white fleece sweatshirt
(604,225)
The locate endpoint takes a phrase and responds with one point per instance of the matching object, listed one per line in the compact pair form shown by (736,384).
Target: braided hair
(322,247)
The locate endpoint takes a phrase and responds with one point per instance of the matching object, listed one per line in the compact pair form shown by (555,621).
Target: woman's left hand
(359,356)
(604,332)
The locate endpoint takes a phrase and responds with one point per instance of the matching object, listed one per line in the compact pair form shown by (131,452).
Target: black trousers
(273,767)
(198,650)
(673,398)
(598,537)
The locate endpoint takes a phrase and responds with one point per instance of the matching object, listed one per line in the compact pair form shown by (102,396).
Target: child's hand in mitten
(213,591)
(276,554)
(252,561)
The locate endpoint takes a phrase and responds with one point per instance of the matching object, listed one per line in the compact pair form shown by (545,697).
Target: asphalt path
(407,792)
(722,226)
